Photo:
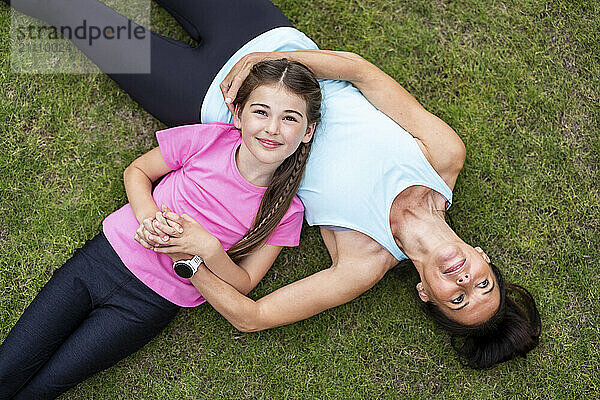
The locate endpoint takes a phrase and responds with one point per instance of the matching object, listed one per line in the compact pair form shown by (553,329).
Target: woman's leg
(72,327)
(179,75)
(228,24)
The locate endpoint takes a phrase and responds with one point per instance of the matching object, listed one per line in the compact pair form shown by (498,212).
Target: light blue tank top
(360,159)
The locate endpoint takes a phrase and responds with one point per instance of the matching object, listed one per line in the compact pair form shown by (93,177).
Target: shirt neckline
(236,172)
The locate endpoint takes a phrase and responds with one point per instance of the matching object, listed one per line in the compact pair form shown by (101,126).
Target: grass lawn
(517,80)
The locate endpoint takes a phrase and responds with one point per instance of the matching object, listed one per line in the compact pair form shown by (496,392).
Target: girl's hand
(193,239)
(238,73)
(151,241)
(157,231)
(146,235)
(166,227)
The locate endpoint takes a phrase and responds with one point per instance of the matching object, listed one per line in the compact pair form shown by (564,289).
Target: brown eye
(459,299)
(484,284)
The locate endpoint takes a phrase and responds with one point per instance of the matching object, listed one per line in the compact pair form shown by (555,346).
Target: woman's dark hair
(512,331)
(278,197)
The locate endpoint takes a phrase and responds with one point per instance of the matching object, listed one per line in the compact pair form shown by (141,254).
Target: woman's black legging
(180,74)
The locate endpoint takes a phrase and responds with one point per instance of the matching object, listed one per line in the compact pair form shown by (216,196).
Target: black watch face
(183,270)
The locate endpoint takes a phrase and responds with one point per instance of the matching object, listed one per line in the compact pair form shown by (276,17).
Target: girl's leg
(127,320)
(81,288)
(56,311)
(179,75)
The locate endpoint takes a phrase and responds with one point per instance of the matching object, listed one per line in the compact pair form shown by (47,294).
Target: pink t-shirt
(205,184)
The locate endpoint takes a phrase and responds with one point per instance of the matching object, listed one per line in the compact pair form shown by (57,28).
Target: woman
(378,181)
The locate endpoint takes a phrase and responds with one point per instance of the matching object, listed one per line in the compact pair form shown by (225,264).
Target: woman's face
(459,280)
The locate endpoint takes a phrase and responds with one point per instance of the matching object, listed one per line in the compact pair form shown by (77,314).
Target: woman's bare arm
(356,271)
(441,145)
(299,300)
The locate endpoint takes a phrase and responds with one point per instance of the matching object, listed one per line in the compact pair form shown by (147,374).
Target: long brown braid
(280,193)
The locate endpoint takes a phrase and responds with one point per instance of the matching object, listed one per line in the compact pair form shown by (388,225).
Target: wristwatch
(187,268)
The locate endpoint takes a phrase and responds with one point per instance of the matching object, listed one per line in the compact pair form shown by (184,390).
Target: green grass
(517,80)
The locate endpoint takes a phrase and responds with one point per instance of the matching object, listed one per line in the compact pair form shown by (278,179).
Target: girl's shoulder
(181,143)
(224,125)
(218,129)
(204,134)
(287,233)
(297,205)
(295,211)
(207,126)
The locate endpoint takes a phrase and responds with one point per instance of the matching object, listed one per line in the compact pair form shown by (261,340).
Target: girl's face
(459,279)
(273,123)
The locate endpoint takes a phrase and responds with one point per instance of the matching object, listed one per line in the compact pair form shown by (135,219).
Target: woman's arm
(297,301)
(443,148)
(250,270)
(441,145)
(362,263)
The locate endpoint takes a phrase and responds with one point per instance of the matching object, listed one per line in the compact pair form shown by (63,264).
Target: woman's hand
(238,73)
(192,238)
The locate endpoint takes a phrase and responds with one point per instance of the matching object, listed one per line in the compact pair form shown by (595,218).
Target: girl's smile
(269,144)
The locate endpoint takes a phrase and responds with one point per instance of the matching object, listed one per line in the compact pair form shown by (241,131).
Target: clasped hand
(178,236)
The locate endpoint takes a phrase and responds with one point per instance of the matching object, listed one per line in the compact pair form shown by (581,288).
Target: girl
(113,296)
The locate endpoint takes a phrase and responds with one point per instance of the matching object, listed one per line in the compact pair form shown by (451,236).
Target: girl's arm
(138,178)
(441,145)
(196,240)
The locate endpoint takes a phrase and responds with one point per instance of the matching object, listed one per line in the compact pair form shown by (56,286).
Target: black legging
(180,74)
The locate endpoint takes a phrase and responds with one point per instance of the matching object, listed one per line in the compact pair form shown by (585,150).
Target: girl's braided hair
(278,197)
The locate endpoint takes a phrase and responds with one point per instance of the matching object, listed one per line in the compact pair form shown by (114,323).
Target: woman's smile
(450,259)
(456,267)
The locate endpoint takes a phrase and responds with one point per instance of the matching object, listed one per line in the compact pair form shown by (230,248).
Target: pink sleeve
(287,233)
(179,143)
